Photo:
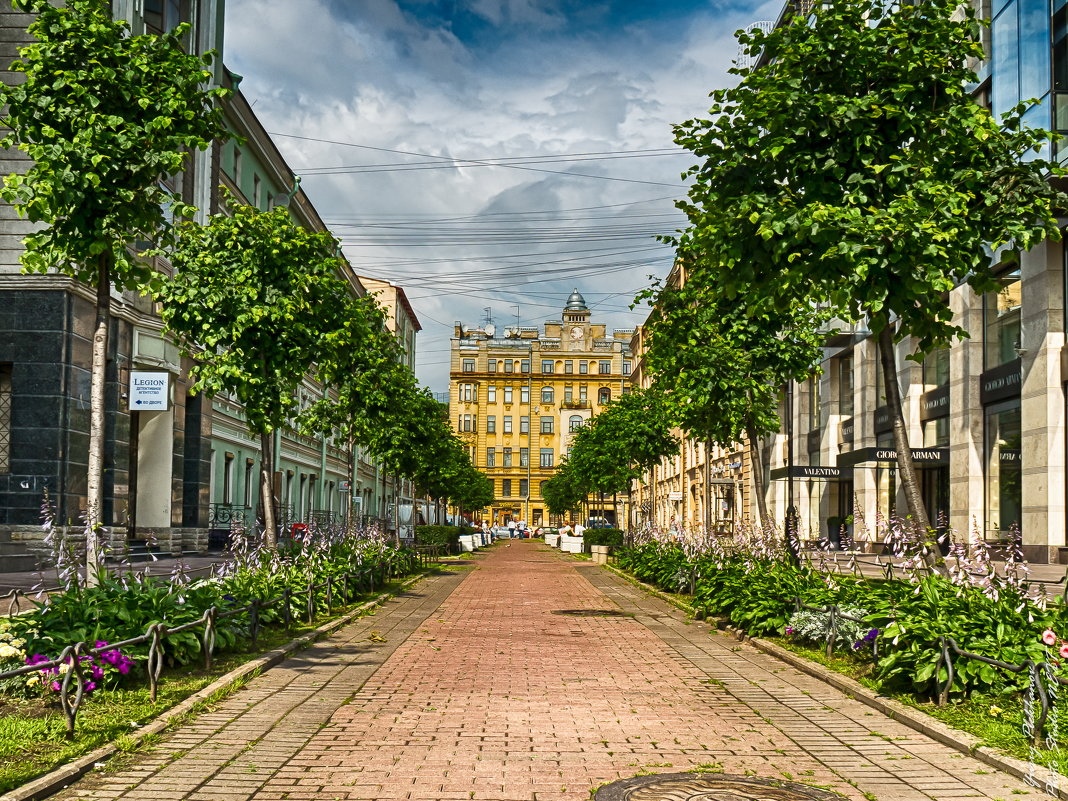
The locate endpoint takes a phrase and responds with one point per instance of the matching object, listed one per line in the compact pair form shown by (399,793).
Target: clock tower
(576,320)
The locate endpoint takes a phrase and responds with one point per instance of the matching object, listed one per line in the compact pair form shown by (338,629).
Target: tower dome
(575,302)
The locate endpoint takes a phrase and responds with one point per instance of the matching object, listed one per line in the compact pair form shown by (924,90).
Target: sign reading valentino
(149,391)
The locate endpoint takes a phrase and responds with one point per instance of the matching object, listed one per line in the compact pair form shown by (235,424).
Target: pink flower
(1048,637)
(1064,650)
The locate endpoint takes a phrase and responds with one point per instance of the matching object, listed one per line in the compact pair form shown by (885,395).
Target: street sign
(149,392)
(344,486)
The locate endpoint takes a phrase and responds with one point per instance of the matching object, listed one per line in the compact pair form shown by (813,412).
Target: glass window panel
(1003,491)
(1034,49)
(1001,315)
(1004,44)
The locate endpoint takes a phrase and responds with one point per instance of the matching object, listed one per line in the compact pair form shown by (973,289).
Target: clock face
(576,332)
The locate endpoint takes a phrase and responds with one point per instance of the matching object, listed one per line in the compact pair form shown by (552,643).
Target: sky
(489,156)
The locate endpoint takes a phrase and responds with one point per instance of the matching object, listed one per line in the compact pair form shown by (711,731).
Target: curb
(946,735)
(64,775)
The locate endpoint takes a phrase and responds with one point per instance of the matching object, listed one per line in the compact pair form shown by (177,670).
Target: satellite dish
(465,329)
(490,329)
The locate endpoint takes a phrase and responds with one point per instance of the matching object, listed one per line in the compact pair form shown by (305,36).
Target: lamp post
(791,511)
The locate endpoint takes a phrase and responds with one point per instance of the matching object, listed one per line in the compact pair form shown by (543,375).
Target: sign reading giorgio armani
(920,456)
(1001,382)
(934,404)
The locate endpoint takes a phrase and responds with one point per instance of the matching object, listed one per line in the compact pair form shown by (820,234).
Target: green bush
(439,535)
(603,536)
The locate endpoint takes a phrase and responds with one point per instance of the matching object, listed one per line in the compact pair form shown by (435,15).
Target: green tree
(563,492)
(851,168)
(720,365)
(104,116)
(257,301)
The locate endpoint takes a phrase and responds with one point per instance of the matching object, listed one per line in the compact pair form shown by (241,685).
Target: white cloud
(377,74)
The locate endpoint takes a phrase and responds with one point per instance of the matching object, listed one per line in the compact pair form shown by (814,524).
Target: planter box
(571,544)
(600,553)
(553,540)
(467,542)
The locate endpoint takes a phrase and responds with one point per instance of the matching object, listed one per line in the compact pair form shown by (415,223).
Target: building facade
(182,474)
(986,417)
(517,396)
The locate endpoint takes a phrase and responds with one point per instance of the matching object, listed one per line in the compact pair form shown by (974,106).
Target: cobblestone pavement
(533,676)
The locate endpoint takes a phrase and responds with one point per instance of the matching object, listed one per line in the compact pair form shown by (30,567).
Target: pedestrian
(579,529)
(511,528)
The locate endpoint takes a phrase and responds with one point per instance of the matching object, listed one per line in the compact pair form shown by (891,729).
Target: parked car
(598,522)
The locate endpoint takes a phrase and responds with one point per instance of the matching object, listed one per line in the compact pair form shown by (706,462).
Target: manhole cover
(705,787)
(588,612)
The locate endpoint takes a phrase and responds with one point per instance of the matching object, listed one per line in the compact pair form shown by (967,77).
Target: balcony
(575,404)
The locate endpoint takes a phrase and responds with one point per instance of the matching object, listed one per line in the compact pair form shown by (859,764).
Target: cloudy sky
(490,155)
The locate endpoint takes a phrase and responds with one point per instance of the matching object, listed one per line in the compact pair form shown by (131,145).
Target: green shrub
(603,536)
(439,535)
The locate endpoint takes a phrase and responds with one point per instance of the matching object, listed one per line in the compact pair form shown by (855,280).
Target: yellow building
(517,395)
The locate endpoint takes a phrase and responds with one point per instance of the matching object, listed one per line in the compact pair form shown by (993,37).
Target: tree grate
(709,787)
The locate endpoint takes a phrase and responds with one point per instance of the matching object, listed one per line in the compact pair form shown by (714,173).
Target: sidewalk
(534,676)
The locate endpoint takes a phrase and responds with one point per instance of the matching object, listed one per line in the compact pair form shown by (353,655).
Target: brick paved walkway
(474,686)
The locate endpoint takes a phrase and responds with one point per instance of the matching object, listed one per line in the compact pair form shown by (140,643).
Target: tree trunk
(97,415)
(270,521)
(907,470)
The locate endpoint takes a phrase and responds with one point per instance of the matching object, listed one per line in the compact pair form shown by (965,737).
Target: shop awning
(813,472)
(934,457)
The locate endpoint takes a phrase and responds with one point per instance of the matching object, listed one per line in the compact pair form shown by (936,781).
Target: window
(509,366)
(506,487)
(547,366)
(574,422)
(546,394)
(507,394)
(491,394)
(491,424)
(228,478)
(584,368)
(845,385)
(507,457)
(491,366)
(257,191)
(162,16)
(582,392)
(237,165)
(250,482)
(569,393)
(569,367)
(546,457)
(546,425)
(524,424)
(936,368)
(466,423)
(468,393)
(524,366)
(491,457)
(604,395)
(469,365)
(626,368)
(524,487)
(604,367)
(524,394)
(1001,320)
(814,403)
(1003,469)
(5,418)
(508,424)
(524,457)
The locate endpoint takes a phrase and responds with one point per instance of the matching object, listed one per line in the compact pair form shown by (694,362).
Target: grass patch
(33,732)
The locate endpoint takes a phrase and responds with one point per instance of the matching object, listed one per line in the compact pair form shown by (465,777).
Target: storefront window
(936,369)
(936,433)
(886,480)
(845,385)
(1001,321)
(1003,473)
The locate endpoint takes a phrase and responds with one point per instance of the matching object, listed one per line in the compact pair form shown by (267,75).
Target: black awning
(813,473)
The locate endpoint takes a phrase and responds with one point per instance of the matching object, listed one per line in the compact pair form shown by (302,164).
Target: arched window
(604,395)
(546,394)
(574,422)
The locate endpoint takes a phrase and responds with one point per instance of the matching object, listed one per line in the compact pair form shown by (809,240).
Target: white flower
(8,652)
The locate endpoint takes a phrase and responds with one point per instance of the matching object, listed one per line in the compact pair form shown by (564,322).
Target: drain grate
(589,612)
(709,787)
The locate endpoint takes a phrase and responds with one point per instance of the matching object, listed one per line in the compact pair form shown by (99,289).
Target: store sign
(934,404)
(675,496)
(1001,383)
(149,392)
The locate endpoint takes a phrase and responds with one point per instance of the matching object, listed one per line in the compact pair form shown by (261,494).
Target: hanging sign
(149,392)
